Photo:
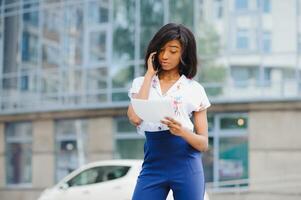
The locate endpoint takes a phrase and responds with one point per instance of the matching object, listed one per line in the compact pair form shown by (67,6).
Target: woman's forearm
(197,141)
(144,90)
(142,94)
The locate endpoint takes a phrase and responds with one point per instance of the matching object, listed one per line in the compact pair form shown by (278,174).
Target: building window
(98,12)
(71,145)
(18,137)
(299,43)
(242,39)
(29,47)
(152,16)
(266,42)
(243,76)
(218,9)
(31,16)
(227,158)
(266,6)
(241,5)
(97,50)
(128,143)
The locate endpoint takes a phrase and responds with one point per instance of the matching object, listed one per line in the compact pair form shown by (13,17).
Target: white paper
(153,110)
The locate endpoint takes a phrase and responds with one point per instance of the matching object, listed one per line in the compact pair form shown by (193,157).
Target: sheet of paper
(153,110)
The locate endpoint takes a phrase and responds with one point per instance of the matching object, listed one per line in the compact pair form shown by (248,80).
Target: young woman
(172,148)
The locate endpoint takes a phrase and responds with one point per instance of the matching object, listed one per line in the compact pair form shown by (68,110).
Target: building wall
(274,154)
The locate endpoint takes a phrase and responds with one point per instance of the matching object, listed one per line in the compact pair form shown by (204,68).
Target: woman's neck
(169,76)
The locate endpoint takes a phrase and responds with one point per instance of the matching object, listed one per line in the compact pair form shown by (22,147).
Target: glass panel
(120,96)
(73,81)
(97,98)
(96,79)
(50,82)
(66,158)
(18,152)
(11,43)
(210,123)
(266,46)
(18,130)
(266,6)
(242,40)
(208,161)
(31,14)
(69,152)
(29,47)
(50,56)
(151,21)
(124,30)
(242,76)
(233,158)
(98,12)
(241,4)
(124,126)
(234,123)
(97,49)
(18,163)
(218,9)
(182,12)
(122,77)
(73,40)
(10,85)
(52,23)
(130,148)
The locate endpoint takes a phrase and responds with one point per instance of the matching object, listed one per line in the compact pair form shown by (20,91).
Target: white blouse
(186,94)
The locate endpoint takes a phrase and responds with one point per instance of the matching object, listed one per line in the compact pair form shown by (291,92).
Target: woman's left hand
(174,126)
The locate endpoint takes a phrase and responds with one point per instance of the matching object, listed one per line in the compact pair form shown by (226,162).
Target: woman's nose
(164,55)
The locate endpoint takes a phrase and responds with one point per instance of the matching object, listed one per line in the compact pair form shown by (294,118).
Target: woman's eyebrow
(174,46)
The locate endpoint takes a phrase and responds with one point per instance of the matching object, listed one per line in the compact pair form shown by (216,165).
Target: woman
(172,148)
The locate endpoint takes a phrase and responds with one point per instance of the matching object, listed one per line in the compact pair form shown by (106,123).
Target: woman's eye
(173,51)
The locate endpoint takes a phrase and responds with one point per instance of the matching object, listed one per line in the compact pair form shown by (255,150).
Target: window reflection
(97,49)
(73,40)
(52,24)
(98,12)
(18,152)
(182,12)
(234,123)
(96,79)
(31,16)
(124,30)
(71,145)
(233,158)
(50,56)
(122,77)
(29,47)
(151,20)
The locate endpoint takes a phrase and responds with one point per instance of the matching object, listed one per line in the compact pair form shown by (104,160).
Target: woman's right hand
(150,67)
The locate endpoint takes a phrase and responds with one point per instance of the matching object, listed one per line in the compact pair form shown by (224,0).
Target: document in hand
(153,110)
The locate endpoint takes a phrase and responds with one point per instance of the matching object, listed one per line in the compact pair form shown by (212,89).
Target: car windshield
(98,175)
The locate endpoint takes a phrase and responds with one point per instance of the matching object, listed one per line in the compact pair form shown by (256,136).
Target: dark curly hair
(172,31)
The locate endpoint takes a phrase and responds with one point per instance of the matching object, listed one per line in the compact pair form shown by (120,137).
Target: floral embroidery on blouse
(154,83)
(177,101)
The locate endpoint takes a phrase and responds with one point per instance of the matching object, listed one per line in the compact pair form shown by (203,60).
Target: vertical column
(2,156)
(100,139)
(43,157)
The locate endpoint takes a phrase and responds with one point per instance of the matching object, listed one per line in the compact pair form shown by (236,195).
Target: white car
(106,180)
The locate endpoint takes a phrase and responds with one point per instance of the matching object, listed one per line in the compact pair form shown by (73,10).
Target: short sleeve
(136,85)
(200,100)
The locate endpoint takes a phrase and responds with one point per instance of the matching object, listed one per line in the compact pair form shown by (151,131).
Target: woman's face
(170,54)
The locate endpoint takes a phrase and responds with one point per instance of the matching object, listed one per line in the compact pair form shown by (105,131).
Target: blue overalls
(169,163)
